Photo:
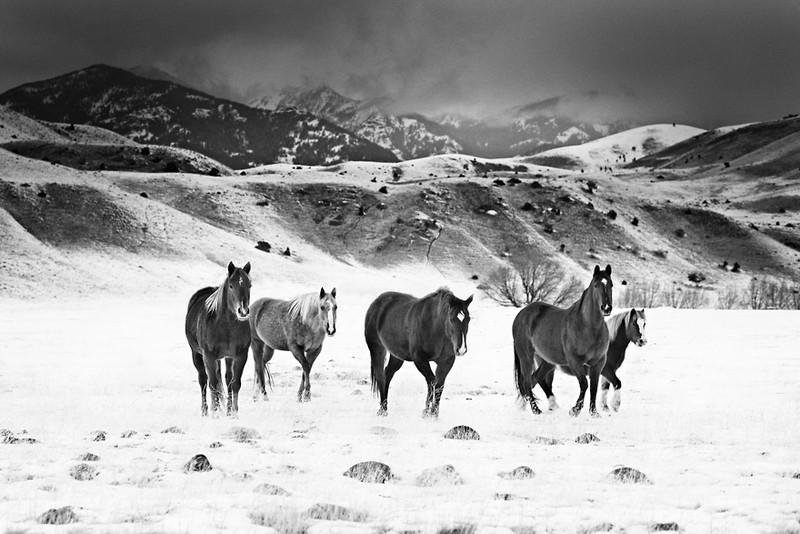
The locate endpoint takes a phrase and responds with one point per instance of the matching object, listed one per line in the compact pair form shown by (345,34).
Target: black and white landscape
(371,147)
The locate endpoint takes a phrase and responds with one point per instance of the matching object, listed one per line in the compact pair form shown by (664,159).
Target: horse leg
(259,349)
(228,380)
(235,384)
(391,368)
(311,357)
(594,380)
(214,374)
(576,366)
(424,367)
(202,379)
(604,385)
(300,356)
(523,366)
(442,369)
(544,377)
(610,377)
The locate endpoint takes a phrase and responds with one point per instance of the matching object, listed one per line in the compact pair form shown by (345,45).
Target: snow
(708,406)
(698,418)
(623,147)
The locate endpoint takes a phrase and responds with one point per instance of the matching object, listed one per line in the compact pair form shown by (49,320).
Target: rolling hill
(616,150)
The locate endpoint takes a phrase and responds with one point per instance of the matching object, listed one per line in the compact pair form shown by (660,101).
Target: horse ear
(246,267)
(608,270)
(322,292)
(231,268)
(596,270)
(333,293)
(468,301)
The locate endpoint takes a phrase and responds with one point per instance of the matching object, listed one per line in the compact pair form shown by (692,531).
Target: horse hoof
(595,414)
(383,413)
(574,412)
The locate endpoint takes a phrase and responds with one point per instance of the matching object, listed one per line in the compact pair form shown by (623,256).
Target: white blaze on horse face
(330,315)
(643,339)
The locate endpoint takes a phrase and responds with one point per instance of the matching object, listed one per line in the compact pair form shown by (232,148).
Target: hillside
(752,145)
(616,150)
(413,215)
(161,112)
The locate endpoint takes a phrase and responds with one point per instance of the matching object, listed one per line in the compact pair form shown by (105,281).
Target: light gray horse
(299,326)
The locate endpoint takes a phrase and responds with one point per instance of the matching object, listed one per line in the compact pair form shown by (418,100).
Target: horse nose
(462,350)
(331,332)
(643,342)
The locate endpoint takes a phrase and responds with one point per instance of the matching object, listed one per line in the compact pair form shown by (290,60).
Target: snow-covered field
(709,413)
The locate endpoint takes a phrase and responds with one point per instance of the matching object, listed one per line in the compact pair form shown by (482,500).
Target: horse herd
(221,324)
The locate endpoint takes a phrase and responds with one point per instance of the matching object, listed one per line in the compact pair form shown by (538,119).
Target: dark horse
(546,336)
(297,325)
(623,329)
(217,328)
(429,329)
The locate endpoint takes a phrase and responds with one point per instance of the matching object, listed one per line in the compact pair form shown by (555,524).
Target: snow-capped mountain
(533,128)
(162,112)
(407,136)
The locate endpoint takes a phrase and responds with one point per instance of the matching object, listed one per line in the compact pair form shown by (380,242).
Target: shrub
(532,282)
(697,278)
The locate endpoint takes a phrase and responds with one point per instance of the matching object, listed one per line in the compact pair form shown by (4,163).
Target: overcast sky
(700,62)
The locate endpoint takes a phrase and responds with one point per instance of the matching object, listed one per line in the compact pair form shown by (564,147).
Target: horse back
(268,320)
(539,326)
(385,322)
(194,312)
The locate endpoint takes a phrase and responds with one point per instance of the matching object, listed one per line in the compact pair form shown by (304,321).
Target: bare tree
(729,299)
(503,287)
(532,282)
(639,294)
(544,282)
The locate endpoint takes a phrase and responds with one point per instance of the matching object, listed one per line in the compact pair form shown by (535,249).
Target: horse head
(238,290)
(602,288)
(457,324)
(634,327)
(327,307)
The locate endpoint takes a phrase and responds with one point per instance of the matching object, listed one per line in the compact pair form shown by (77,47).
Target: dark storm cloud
(700,62)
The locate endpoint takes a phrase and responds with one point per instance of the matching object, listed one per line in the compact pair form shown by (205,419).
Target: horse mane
(443,298)
(617,322)
(302,306)
(215,299)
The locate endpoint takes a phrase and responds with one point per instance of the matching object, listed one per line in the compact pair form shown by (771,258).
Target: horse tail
(522,395)
(377,361)
(270,382)
(518,374)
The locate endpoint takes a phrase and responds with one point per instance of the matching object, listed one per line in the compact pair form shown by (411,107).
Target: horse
(546,335)
(216,329)
(623,329)
(299,326)
(420,330)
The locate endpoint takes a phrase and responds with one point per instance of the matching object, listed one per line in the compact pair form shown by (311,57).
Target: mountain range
(301,126)
(518,131)
(162,112)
